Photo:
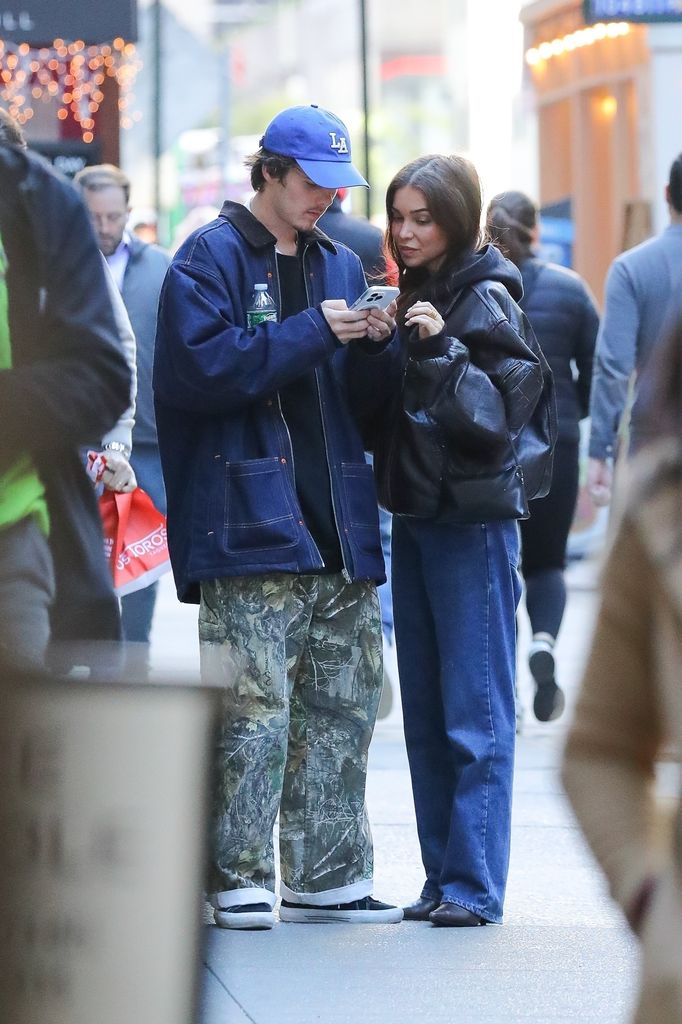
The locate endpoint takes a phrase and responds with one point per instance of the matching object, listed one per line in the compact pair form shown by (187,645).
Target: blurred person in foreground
(564,317)
(273,526)
(63,381)
(118,474)
(643,299)
(465,443)
(367,242)
(629,710)
(138,269)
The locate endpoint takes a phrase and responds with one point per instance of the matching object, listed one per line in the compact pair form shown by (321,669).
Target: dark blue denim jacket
(225,447)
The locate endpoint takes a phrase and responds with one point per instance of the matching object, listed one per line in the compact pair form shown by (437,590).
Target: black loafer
(420,909)
(450,915)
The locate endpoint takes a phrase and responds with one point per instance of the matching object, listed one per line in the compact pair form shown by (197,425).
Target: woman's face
(417,237)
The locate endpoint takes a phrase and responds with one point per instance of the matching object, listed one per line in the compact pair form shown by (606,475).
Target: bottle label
(258,316)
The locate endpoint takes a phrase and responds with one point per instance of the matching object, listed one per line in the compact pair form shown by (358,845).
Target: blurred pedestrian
(564,317)
(359,234)
(643,300)
(144,223)
(456,466)
(273,525)
(629,709)
(63,380)
(367,242)
(138,269)
(119,475)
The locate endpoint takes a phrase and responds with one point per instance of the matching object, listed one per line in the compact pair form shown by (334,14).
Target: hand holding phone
(378,297)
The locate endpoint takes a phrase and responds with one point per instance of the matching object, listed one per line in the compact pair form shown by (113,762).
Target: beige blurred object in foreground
(102,827)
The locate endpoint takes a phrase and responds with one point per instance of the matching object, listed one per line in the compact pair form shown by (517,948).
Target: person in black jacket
(565,319)
(456,458)
(63,381)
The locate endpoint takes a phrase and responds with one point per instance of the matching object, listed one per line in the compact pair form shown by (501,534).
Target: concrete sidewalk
(562,954)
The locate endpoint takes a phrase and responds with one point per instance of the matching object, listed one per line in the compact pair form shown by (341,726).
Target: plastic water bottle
(261,306)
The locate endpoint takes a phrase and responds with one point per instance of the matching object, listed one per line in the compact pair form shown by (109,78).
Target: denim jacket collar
(257,235)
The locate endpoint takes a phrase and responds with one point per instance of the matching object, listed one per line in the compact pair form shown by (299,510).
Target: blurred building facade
(608,97)
(434,84)
(442,77)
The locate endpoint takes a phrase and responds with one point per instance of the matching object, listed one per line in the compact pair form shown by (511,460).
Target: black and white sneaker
(364,911)
(248,917)
(549,699)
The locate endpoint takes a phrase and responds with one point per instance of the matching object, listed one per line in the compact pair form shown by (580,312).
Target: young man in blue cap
(273,526)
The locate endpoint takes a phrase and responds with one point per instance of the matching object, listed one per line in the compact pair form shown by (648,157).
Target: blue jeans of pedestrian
(137,609)
(455,594)
(385,596)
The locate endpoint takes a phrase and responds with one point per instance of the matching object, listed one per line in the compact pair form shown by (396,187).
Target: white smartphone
(378,297)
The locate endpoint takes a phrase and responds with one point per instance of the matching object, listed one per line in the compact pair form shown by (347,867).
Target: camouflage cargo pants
(300,659)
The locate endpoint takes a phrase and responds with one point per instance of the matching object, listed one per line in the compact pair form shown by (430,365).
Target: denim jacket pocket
(258,513)
(360,494)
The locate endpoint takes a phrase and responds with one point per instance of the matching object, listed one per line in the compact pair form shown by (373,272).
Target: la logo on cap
(340,145)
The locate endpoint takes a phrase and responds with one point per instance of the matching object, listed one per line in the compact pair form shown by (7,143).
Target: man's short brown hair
(277,166)
(103,176)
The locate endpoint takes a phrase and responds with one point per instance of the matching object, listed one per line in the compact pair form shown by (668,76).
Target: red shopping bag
(135,541)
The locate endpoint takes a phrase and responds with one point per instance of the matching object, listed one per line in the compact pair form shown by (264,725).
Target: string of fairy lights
(71,74)
(576,41)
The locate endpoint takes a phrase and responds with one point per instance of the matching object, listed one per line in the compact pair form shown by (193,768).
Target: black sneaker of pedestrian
(364,911)
(248,917)
(549,702)
(549,699)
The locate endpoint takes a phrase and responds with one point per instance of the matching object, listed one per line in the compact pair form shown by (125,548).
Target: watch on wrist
(117,446)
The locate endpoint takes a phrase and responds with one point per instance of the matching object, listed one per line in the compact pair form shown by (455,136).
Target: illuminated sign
(39,22)
(632,10)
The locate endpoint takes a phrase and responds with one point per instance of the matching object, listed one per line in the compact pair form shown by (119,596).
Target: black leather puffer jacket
(470,436)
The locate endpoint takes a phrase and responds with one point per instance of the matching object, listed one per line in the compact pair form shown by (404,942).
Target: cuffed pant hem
(241,898)
(343,894)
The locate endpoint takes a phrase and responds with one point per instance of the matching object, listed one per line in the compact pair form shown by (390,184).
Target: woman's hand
(426,317)
(381,323)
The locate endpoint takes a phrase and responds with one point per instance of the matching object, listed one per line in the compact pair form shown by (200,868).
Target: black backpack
(534,443)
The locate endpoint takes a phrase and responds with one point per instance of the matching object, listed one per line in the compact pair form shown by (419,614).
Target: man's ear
(270,178)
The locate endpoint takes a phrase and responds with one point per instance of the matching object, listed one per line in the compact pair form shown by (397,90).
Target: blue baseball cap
(319,143)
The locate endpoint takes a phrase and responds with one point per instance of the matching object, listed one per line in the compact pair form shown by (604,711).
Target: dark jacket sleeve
(454,392)
(480,388)
(373,377)
(584,350)
(80,384)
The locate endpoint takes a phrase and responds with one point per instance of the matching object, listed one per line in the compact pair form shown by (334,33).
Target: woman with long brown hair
(455,465)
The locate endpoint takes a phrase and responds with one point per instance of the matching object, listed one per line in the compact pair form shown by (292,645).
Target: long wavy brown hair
(452,191)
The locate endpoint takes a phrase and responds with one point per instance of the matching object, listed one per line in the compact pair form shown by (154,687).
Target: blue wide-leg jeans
(455,593)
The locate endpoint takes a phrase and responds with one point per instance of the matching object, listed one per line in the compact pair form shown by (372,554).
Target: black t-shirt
(301,408)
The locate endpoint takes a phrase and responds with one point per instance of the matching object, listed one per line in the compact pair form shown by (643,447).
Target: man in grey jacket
(643,299)
(138,270)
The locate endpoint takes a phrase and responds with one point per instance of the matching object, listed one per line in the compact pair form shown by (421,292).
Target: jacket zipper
(316,550)
(344,572)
